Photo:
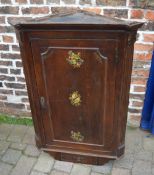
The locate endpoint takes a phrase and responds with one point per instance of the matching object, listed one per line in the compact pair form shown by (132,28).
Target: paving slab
(18,146)
(32,150)
(152,168)
(5,130)
(134,140)
(44,163)
(29,137)
(141,167)
(94,173)
(5,169)
(37,173)
(3,146)
(106,168)
(125,162)
(17,133)
(63,166)
(24,166)
(55,172)
(144,155)
(11,156)
(148,143)
(80,169)
(120,171)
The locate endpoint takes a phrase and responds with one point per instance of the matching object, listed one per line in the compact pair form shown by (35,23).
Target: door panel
(77,80)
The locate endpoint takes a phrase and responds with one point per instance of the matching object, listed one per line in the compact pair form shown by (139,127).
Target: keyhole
(80,118)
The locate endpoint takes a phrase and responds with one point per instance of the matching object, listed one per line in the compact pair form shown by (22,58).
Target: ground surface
(19,156)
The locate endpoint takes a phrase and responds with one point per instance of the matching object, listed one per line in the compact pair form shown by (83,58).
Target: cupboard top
(78,18)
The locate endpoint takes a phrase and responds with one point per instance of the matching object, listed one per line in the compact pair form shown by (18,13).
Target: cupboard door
(76,82)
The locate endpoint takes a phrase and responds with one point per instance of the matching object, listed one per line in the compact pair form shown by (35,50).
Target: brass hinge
(131,39)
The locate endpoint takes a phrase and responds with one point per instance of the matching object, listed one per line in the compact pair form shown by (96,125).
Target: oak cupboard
(78,69)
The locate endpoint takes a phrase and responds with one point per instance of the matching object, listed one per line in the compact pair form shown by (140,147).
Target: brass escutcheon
(75,98)
(74,59)
(76,136)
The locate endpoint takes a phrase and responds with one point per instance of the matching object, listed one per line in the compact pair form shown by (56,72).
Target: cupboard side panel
(28,68)
(129,40)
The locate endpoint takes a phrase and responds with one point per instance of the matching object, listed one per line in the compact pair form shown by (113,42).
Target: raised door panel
(76,80)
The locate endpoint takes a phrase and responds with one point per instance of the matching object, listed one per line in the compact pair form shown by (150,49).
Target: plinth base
(79,158)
